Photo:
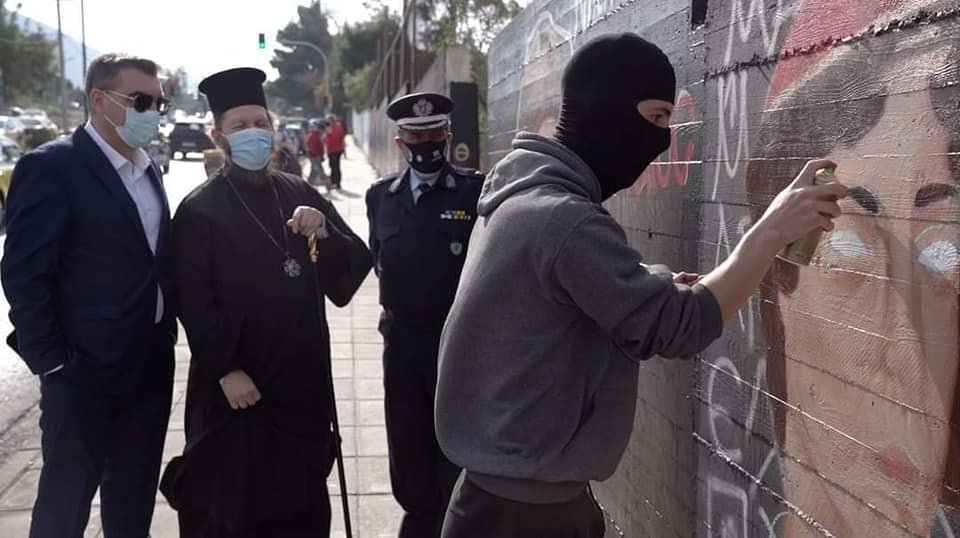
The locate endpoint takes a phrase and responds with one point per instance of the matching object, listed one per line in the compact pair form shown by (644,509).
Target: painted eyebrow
(931,194)
(865,198)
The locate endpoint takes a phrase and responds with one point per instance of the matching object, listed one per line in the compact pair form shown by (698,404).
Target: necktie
(422,189)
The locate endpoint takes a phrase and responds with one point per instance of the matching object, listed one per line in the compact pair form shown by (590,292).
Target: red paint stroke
(819,20)
(896,464)
(675,166)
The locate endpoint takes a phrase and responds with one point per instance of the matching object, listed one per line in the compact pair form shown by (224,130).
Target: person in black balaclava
(537,379)
(599,117)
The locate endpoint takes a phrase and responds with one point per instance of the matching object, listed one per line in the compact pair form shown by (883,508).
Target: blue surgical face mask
(250,149)
(138,128)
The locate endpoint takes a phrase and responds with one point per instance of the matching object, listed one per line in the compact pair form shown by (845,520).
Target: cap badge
(423,108)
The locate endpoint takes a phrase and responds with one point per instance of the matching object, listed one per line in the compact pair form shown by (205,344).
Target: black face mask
(599,120)
(427,157)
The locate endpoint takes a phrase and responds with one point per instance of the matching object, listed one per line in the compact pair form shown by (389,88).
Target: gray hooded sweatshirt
(537,380)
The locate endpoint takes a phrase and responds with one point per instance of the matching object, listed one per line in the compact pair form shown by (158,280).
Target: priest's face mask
(237,119)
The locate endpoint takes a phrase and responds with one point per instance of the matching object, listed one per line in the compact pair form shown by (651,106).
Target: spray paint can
(801,251)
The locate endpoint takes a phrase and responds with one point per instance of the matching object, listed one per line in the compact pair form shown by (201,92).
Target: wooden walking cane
(312,248)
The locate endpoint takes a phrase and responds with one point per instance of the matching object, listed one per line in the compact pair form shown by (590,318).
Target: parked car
(9,155)
(189,137)
(37,114)
(36,132)
(12,128)
(159,150)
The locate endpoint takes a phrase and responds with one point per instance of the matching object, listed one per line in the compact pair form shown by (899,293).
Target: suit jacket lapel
(104,171)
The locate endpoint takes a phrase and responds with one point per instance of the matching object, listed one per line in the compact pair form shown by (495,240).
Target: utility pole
(83,37)
(63,76)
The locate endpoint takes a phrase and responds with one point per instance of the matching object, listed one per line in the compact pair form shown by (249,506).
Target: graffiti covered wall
(830,407)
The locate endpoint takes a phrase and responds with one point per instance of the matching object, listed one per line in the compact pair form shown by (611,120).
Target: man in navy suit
(87,272)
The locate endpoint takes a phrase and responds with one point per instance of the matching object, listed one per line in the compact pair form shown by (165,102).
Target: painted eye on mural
(845,243)
(938,250)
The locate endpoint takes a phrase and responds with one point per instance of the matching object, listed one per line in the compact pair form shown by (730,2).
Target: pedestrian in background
(87,268)
(259,445)
(420,223)
(315,152)
(539,358)
(334,142)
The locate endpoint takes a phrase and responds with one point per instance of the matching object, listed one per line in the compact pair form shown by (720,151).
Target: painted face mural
(862,345)
(830,407)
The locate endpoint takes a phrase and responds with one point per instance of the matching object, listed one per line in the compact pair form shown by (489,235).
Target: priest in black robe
(258,409)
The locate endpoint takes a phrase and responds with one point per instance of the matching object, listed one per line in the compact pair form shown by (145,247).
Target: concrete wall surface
(830,406)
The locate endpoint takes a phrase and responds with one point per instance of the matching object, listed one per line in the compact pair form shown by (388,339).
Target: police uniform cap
(421,111)
(234,87)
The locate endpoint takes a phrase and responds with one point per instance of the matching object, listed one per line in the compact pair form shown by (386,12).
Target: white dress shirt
(140,188)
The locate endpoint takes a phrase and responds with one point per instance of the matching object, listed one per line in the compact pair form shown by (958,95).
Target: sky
(203,36)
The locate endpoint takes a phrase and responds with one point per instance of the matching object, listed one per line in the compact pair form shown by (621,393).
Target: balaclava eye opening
(599,121)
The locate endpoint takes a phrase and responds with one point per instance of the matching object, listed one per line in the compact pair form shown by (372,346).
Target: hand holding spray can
(801,251)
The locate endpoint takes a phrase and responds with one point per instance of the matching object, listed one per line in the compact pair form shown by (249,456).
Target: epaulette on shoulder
(385,180)
(471,173)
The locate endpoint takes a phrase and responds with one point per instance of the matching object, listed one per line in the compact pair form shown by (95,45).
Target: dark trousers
(91,440)
(475,513)
(335,168)
(421,476)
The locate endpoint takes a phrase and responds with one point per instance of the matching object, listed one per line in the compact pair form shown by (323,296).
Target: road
(19,389)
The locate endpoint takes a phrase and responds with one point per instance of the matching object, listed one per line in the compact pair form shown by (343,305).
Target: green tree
(356,64)
(302,69)
(473,23)
(26,60)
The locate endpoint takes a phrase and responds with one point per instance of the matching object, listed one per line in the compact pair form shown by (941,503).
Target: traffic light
(263,41)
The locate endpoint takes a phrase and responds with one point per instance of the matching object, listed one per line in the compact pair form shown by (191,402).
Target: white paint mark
(847,243)
(941,256)
(717,410)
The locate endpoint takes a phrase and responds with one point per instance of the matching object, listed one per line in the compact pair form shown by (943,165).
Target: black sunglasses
(143,102)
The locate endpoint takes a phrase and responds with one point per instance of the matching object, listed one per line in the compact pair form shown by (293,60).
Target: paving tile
(373,475)
(16,464)
(368,351)
(370,413)
(338,336)
(369,389)
(176,417)
(367,336)
(341,351)
(174,444)
(350,470)
(22,492)
(336,521)
(344,389)
(349,436)
(165,524)
(346,412)
(371,441)
(379,516)
(342,368)
(15,524)
(366,322)
(369,369)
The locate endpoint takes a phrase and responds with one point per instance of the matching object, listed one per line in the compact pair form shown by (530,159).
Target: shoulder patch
(468,172)
(385,180)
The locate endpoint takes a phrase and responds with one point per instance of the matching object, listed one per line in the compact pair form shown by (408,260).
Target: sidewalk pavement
(358,377)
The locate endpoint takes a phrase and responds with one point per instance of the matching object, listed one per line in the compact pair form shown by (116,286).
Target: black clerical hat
(234,87)
(421,111)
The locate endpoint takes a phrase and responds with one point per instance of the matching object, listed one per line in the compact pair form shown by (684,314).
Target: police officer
(420,223)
